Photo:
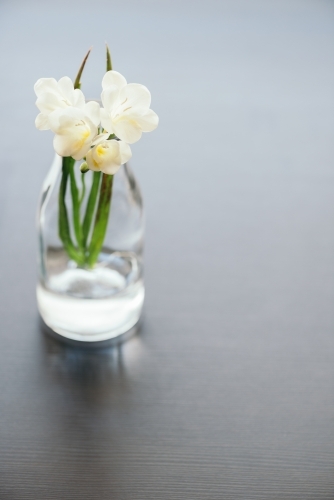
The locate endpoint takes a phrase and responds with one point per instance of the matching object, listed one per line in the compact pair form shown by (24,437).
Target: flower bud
(84,167)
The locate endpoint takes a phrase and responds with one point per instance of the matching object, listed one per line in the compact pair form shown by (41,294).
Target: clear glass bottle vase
(90,252)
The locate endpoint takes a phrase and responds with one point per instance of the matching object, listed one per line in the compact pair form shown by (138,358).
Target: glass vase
(90,262)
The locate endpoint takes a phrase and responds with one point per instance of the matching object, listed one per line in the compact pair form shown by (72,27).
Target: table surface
(226,391)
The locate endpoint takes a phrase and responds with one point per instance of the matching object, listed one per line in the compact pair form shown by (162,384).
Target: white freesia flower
(108,156)
(126,111)
(53,95)
(75,129)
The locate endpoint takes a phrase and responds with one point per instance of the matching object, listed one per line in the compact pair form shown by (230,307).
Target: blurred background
(241,164)
(232,374)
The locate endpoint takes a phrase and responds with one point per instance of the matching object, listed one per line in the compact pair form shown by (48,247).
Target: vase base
(91,320)
(98,344)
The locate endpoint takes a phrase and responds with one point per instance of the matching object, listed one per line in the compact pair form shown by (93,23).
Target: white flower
(126,110)
(53,95)
(108,156)
(75,129)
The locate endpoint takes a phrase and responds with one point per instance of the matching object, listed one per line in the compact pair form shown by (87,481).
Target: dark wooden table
(227,390)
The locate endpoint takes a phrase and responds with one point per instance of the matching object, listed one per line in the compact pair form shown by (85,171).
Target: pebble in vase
(90,218)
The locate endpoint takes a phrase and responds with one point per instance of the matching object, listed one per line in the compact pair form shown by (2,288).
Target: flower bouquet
(90,218)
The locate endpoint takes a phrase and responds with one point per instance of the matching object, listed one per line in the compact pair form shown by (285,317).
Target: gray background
(226,392)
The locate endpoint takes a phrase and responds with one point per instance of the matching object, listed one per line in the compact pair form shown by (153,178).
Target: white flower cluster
(125,113)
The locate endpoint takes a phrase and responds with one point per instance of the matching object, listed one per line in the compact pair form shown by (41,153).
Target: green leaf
(109,62)
(77,83)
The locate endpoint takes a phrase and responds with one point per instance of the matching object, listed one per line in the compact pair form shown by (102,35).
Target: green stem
(76,206)
(63,224)
(101,219)
(83,192)
(90,207)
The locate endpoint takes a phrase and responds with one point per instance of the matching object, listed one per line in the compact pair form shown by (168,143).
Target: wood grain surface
(226,392)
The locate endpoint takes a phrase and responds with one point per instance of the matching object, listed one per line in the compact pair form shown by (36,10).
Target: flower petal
(111,159)
(78,99)
(109,97)
(106,121)
(78,155)
(48,102)
(113,78)
(108,156)
(92,110)
(66,88)
(74,132)
(62,119)
(127,131)
(100,138)
(135,95)
(90,161)
(148,120)
(54,119)
(42,122)
(125,151)
(110,168)
(62,146)
(45,85)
